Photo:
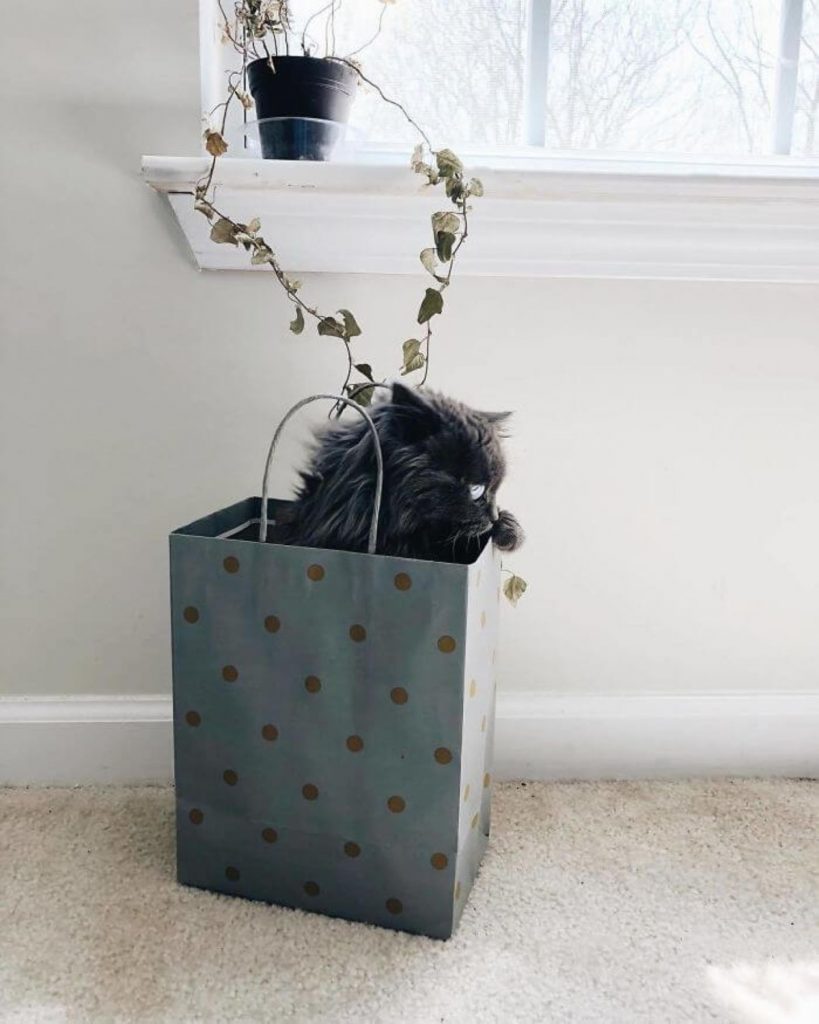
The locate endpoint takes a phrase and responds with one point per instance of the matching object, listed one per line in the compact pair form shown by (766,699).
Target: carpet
(611,903)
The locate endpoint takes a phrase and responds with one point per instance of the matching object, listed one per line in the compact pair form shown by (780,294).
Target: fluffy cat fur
(437,454)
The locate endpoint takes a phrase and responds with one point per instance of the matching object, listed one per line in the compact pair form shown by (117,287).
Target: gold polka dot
(312,684)
(309,791)
(402,581)
(196,816)
(483,619)
(358,633)
(394,906)
(191,614)
(230,673)
(443,755)
(446,644)
(270,835)
(315,573)
(232,874)
(312,888)
(398,695)
(466,792)
(355,743)
(193,718)
(230,776)
(270,732)
(473,688)
(474,821)
(352,849)
(439,861)
(396,804)
(272,624)
(486,780)
(483,724)
(457,890)
(231,564)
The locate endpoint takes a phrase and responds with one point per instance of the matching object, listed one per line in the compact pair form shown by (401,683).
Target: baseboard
(116,740)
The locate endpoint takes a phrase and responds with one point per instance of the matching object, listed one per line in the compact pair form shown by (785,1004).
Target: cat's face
(445,465)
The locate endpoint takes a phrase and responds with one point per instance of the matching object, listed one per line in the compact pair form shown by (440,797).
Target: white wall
(665,452)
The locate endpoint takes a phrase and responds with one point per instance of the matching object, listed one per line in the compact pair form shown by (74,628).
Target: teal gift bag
(333,719)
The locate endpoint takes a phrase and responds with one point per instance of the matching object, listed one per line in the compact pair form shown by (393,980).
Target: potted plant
(302,100)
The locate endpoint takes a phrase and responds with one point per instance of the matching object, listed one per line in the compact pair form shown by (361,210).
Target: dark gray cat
(443,465)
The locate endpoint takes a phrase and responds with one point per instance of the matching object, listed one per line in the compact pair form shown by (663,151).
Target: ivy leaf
(417,159)
(328,325)
(432,304)
(429,260)
(448,163)
(365,370)
(254,226)
(445,221)
(224,231)
(262,255)
(215,144)
(413,356)
(203,206)
(297,324)
(475,187)
(454,189)
(514,588)
(444,241)
(351,328)
(363,396)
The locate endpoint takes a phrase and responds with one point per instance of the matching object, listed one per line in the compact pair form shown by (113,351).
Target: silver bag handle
(379,463)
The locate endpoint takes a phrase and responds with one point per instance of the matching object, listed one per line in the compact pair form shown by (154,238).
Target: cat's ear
(417,418)
(496,417)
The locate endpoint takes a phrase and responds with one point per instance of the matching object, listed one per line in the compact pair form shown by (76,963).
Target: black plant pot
(301,106)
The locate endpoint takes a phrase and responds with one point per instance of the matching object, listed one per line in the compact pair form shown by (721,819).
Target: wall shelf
(545,218)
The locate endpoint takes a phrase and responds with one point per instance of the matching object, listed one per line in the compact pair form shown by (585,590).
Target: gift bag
(333,719)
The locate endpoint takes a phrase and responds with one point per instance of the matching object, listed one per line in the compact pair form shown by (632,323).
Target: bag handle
(379,463)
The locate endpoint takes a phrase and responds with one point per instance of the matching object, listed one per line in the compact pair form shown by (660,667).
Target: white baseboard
(106,740)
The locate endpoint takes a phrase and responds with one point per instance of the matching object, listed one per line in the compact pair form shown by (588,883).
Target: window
(721,78)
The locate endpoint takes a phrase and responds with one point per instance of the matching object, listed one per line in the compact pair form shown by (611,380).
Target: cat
(443,465)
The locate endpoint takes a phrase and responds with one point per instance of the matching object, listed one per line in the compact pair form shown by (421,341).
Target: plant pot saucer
(295,138)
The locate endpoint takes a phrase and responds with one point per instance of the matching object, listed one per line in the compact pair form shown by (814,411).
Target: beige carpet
(615,903)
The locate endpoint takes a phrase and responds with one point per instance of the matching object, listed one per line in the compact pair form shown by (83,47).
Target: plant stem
(386,99)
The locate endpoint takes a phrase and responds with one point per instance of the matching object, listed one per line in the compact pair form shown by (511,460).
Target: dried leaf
(253,226)
(365,370)
(444,241)
(445,221)
(454,189)
(417,158)
(297,324)
(223,231)
(514,588)
(215,144)
(351,328)
(413,357)
(243,98)
(429,260)
(262,255)
(431,305)
(328,325)
(448,163)
(475,187)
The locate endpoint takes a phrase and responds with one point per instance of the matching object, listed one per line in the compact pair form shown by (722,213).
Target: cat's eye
(477,491)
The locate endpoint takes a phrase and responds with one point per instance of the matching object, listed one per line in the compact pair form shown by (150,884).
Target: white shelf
(556,217)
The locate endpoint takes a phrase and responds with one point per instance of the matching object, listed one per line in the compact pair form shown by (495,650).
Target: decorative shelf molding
(556,218)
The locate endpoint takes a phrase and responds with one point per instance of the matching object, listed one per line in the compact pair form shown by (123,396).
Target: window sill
(550,217)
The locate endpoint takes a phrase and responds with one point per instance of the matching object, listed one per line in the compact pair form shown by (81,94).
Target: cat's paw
(507,533)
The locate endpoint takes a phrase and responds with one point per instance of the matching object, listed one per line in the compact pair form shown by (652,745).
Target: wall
(664,457)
